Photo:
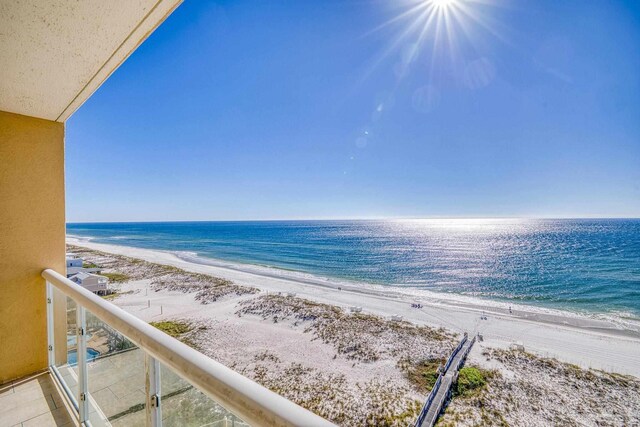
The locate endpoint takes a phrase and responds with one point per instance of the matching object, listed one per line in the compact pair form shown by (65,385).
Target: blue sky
(314,109)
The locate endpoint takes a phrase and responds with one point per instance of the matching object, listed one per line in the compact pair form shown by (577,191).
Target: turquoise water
(72,356)
(582,265)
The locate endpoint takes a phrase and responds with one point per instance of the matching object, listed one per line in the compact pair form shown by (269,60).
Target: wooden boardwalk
(440,392)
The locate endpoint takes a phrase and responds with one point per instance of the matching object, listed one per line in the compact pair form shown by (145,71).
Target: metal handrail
(247,399)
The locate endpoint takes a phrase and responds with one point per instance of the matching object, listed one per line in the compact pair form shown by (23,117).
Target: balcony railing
(120,370)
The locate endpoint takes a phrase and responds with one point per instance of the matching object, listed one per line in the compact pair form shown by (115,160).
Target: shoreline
(608,323)
(584,341)
(594,322)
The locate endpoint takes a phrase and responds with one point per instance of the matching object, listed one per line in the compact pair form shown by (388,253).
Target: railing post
(50,337)
(83,381)
(152,388)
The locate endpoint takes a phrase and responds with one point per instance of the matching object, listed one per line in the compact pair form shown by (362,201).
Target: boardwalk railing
(455,352)
(427,404)
(436,386)
(466,353)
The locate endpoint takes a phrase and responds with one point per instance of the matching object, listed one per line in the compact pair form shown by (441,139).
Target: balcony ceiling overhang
(55,53)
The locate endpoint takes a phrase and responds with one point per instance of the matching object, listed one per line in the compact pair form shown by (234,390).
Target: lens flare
(449,33)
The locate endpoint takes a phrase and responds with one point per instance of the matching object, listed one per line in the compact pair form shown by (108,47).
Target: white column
(50,336)
(83,383)
(152,388)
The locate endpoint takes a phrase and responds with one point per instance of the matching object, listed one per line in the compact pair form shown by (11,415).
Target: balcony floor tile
(33,401)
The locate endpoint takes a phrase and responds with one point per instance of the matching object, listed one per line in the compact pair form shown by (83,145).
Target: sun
(442,4)
(441,39)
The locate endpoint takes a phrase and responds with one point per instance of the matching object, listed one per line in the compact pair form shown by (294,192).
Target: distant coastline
(596,277)
(609,324)
(552,326)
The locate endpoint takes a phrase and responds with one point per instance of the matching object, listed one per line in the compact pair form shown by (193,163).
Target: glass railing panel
(109,387)
(185,406)
(116,376)
(68,370)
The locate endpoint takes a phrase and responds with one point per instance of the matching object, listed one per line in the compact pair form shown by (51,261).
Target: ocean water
(582,265)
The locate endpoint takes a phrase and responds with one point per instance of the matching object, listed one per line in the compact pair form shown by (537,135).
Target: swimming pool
(72,357)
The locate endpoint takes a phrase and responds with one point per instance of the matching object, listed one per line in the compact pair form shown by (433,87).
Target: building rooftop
(84,275)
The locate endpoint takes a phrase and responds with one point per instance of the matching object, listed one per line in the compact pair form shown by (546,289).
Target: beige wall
(32,232)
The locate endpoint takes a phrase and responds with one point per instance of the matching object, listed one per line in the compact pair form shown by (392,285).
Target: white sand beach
(586,342)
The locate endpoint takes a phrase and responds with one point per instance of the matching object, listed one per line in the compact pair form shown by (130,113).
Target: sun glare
(448,34)
(441,4)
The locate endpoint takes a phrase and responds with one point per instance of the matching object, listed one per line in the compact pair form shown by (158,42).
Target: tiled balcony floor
(33,401)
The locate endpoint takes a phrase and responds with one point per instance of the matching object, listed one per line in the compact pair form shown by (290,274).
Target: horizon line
(407,218)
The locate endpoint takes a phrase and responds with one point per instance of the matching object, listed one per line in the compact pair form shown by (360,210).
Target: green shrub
(423,374)
(470,379)
(179,329)
(174,328)
(112,296)
(116,277)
